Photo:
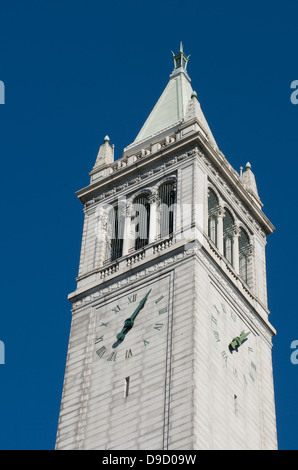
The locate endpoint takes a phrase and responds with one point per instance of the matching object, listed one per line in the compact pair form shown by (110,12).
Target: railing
(111,269)
(134,257)
(162,245)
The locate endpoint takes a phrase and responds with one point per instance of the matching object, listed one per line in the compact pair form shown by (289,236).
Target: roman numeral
(158,326)
(216,309)
(116,309)
(112,356)
(163,310)
(128,353)
(104,324)
(100,352)
(224,356)
(132,298)
(145,342)
(213,319)
(159,299)
(233,315)
(251,376)
(216,334)
(98,340)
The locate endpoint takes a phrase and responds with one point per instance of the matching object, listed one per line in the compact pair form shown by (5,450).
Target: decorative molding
(192,249)
(231,194)
(134,258)
(135,179)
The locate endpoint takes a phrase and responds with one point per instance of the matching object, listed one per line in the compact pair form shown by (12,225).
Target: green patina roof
(170,108)
(178,102)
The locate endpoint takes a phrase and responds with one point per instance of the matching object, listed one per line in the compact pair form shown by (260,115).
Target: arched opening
(212,215)
(228,235)
(116,232)
(243,255)
(141,220)
(167,199)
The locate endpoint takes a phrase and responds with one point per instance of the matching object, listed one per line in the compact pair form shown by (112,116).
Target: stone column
(128,239)
(220,216)
(102,235)
(236,235)
(153,232)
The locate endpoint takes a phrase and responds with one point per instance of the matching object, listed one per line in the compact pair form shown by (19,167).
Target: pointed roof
(105,154)
(249,181)
(169,109)
(194,110)
(177,103)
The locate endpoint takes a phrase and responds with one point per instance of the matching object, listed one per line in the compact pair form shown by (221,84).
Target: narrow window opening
(228,228)
(126,386)
(243,255)
(116,235)
(212,216)
(167,197)
(142,221)
(236,411)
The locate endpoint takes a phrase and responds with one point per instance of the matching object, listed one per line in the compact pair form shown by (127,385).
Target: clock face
(132,324)
(235,345)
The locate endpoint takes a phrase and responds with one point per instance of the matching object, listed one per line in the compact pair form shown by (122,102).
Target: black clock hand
(129,322)
(140,306)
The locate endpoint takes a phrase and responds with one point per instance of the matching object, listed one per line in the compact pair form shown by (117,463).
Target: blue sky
(75,71)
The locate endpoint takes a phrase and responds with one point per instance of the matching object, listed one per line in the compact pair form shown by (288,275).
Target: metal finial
(180,59)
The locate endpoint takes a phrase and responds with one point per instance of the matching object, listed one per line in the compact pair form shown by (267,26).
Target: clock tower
(170,341)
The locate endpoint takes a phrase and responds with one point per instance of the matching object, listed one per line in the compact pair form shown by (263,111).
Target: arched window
(116,232)
(243,255)
(167,198)
(228,228)
(142,220)
(212,215)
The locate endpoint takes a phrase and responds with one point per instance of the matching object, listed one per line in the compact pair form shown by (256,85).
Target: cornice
(172,151)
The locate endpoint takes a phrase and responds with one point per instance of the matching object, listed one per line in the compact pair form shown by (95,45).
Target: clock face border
(110,314)
(227,322)
(236,387)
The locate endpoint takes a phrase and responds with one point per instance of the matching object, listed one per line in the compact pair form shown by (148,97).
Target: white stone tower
(170,342)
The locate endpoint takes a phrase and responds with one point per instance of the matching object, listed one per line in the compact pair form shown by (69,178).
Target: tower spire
(177,103)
